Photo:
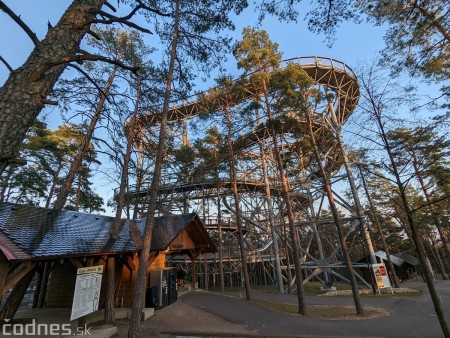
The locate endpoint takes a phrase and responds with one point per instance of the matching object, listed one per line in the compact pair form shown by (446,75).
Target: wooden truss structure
(210,197)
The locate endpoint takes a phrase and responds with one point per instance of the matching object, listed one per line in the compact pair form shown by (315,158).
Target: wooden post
(37,290)
(206,273)
(4,268)
(43,286)
(193,273)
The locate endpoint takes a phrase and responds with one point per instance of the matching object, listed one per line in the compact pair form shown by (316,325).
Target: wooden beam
(44,284)
(153,256)
(102,260)
(192,254)
(76,262)
(4,268)
(202,246)
(130,264)
(15,276)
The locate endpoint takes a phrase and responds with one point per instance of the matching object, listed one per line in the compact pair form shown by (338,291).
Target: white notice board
(87,291)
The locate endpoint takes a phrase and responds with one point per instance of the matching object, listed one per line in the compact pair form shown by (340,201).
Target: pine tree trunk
(288,259)
(434,251)
(24,93)
(110,315)
(292,229)
(415,236)
(126,161)
(84,147)
(273,234)
(139,179)
(5,183)
(219,229)
(134,330)
(346,162)
(423,262)
(53,186)
(380,230)
(289,211)
(437,223)
(237,208)
(279,276)
(327,186)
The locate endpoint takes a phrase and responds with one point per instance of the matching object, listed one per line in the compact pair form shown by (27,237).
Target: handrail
(323,62)
(189,104)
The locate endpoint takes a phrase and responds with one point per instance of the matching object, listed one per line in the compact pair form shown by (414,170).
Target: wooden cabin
(52,244)
(405,266)
(408,269)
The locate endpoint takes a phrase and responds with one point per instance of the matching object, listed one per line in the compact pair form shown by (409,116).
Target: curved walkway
(411,316)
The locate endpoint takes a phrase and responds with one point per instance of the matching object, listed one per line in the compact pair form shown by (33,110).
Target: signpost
(87,291)
(381,276)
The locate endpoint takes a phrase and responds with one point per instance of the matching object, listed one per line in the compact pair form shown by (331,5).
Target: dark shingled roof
(410,259)
(28,232)
(394,259)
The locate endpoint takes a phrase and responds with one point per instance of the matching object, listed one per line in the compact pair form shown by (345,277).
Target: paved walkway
(410,316)
(216,314)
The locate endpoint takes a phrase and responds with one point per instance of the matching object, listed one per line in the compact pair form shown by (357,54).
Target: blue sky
(354,43)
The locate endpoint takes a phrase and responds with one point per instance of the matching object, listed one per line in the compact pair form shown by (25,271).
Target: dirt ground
(181,317)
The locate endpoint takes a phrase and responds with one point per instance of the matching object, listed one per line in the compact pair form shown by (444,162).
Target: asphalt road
(409,316)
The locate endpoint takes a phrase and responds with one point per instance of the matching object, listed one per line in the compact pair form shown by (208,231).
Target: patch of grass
(278,307)
(314,289)
(259,288)
(311,288)
(385,293)
(326,312)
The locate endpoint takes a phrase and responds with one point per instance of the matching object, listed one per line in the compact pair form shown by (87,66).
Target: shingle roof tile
(39,232)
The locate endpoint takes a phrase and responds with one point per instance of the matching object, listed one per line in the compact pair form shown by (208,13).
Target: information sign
(381,276)
(87,291)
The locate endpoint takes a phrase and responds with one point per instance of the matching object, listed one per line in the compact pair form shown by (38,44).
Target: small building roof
(410,259)
(395,260)
(28,232)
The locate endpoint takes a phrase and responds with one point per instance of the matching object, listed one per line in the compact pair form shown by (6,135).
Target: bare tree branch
(41,69)
(51,102)
(120,19)
(153,10)
(442,198)
(124,22)
(124,19)
(94,35)
(91,80)
(111,7)
(20,22)
(6,64)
